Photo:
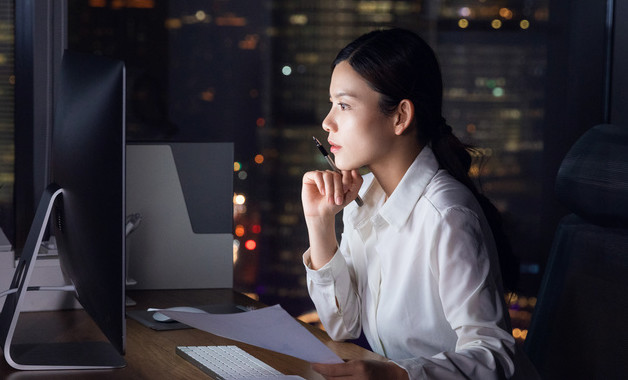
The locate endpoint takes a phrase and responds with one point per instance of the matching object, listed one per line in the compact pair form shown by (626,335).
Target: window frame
(40,38)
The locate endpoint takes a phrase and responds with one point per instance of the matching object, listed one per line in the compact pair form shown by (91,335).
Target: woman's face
(359,133)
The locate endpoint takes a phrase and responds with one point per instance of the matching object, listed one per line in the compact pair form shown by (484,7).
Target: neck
(390,173)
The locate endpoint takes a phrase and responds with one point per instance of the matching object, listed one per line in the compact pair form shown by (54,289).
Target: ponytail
(453,156)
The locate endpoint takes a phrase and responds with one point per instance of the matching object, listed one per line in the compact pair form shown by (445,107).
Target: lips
(333,147)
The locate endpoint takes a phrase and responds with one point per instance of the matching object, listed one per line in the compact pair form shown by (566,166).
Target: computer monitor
(86,207)
(184,194)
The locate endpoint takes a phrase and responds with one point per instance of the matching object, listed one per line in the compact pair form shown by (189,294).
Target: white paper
(270,327)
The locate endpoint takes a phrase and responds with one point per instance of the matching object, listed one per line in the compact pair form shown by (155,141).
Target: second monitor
(184,194)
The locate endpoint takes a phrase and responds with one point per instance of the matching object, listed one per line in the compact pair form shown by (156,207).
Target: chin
(347,164)
(346,167)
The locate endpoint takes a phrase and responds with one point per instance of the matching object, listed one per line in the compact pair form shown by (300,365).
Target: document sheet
(271,328)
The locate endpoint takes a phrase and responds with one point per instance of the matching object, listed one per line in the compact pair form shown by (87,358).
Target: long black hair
(399,65)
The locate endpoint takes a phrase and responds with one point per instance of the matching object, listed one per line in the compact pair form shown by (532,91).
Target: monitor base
(65,356)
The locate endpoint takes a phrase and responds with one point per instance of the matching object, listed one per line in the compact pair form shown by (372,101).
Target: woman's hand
(325,193)
(362,370)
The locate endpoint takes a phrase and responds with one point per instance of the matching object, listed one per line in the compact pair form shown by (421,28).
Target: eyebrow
(342,93)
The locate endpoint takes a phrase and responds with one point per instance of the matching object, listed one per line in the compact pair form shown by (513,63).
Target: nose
(328,123)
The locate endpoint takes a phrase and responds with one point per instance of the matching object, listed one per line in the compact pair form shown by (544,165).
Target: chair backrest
(580,324)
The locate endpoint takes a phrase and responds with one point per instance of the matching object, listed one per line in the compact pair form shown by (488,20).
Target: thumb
(354,187)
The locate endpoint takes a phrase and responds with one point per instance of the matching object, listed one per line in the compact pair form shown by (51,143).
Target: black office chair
(579,329)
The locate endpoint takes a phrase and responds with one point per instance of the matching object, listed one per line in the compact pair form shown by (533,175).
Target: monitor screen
(88,148)
(85,208)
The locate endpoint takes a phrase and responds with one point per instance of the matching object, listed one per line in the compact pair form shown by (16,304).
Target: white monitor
(184,194)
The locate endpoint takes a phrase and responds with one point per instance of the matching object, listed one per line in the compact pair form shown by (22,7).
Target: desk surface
(151,354)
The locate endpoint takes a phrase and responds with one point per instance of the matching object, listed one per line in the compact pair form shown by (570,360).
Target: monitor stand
(46,356)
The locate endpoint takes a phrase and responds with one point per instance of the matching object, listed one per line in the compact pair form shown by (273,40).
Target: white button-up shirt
(419,274)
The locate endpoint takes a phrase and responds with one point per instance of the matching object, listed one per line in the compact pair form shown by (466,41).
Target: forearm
(323,243)
(325,194)
(334,295)
(329,281)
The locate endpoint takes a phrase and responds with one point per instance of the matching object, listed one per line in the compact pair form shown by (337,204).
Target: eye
(343,106)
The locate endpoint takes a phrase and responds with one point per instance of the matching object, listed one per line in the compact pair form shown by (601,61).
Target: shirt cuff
(328,272)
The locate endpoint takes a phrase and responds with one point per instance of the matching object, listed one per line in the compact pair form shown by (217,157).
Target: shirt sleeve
(472,304)
(332,289)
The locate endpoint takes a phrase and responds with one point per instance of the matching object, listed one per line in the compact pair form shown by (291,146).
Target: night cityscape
(256,72)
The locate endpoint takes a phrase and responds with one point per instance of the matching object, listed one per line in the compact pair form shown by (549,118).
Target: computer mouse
(159,317)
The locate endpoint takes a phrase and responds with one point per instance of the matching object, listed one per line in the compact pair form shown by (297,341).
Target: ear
(404,115)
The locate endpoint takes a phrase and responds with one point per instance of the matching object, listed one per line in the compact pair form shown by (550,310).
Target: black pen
(331,163)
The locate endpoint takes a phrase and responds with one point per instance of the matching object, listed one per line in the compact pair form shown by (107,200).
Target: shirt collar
(396,210)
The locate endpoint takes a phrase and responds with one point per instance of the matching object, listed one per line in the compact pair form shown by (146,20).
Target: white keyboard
(226,362)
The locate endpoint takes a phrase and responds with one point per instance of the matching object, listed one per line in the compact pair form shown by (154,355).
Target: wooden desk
(151,354)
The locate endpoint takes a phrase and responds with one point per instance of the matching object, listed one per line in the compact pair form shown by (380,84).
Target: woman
(417,268)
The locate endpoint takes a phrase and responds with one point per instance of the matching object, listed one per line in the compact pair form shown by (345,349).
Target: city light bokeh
(256,72)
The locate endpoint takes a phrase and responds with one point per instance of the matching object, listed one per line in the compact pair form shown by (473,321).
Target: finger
(339,193)
(329,178)
(355,183)
(316,178)
(357,179)
(347,180)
